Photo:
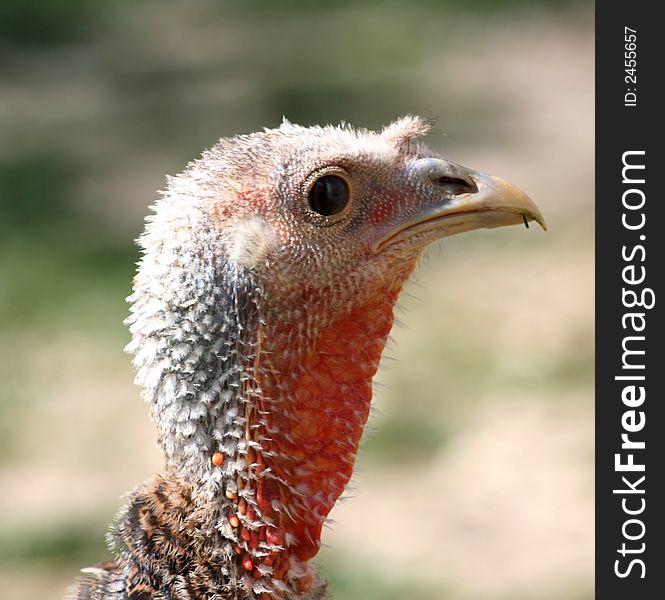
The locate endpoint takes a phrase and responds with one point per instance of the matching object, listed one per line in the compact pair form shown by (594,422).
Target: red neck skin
(309,433)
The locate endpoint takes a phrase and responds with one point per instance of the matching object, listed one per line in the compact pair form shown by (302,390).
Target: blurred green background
(476,480)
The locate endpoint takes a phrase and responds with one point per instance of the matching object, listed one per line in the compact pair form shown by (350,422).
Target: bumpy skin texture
(257,325)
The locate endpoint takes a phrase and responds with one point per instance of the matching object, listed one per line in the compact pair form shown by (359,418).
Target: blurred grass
(38,188)
(43,23)
(99,99)
(63,544)
(52,253)
(73,281)
(400,441)
(355,579)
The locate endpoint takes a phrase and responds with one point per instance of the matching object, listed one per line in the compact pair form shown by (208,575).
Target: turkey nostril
(455,185)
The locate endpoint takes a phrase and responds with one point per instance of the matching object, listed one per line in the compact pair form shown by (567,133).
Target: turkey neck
(280,390)
(318,400)
(309,399)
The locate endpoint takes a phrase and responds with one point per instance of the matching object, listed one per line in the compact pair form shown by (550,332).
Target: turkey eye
(329,195)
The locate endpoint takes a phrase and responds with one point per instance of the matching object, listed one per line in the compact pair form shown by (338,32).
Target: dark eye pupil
(329,195)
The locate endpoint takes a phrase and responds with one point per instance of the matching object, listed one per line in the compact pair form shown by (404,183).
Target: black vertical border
(620,129)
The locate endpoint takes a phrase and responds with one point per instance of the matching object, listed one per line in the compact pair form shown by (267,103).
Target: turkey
(260,310)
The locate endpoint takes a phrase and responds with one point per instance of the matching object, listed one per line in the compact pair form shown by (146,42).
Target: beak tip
(540,220)
(506,196)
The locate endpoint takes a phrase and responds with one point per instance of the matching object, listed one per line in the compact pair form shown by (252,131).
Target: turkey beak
(452,199)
